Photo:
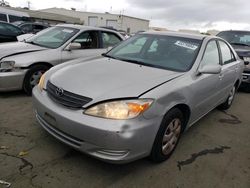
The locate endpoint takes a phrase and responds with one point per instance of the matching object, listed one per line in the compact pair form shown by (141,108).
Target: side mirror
(210,69)
(73,46)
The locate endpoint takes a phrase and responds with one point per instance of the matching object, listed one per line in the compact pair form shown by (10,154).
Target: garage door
(93,21)
(111,23)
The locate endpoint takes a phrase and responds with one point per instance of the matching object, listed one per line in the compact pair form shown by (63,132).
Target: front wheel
(33,76)
(168,135)
(228,103)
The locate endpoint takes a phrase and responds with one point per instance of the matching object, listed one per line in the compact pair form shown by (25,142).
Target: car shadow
(12,94)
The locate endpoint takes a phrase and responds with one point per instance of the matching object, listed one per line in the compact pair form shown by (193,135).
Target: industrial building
(59,15)
(10,14)
(118,21)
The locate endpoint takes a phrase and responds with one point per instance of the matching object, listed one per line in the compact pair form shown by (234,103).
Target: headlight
(7,65)
(124,109)
(246,59)
(41,82)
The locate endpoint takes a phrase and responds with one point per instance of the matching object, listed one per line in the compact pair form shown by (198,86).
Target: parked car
(23,63)
(138,99)
(240,40)
(9,32)
(31,27)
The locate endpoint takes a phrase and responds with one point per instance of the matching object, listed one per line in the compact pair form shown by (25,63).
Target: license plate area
(245,77)
(49,119)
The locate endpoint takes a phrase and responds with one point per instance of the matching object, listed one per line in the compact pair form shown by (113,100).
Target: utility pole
(4,3)
(28,2)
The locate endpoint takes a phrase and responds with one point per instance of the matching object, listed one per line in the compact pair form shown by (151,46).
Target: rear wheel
(33,76)
(168,135)
(227,104)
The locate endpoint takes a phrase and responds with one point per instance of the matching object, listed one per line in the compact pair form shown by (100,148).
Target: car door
(205,87)
(229,70)
(36,28)
(89,46)
(9,32)
(27,28)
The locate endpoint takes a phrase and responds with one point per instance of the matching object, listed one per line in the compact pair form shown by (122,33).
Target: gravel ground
(215,152)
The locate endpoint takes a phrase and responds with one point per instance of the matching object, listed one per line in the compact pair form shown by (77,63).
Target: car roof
(9,24)
(33,23)
(83,27)
(176,34)
(234,31)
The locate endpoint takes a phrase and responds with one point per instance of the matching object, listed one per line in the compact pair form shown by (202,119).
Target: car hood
(105,78)
(242,51)
(15,48)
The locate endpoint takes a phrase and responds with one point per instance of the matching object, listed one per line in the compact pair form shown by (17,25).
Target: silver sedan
(138,99)
(23,63)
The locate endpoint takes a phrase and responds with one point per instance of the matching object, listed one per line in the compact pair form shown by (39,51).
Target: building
(158,29)
(10,14)
(189,31)
(213,32)
(116,21)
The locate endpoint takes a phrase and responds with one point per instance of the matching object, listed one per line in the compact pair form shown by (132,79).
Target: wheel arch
(237,84)
(40,63)
(186,111)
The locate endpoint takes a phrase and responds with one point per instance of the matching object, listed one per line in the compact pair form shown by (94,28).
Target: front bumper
(246,78)
(10,81)
(115,141)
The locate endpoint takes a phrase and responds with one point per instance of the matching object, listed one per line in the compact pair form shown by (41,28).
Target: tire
(32,77)
(165,144)
(228,103)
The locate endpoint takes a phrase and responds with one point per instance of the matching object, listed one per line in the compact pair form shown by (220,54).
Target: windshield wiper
(31,42)
(239,44)
(109,56)
(138,62)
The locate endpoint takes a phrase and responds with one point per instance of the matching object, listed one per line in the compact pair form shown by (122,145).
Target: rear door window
(226,53)
(88,40)
(110,39)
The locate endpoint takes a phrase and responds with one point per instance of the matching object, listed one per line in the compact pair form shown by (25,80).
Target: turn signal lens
(41,82)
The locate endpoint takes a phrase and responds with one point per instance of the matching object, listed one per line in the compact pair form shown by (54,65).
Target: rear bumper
(10,81)
(115,141)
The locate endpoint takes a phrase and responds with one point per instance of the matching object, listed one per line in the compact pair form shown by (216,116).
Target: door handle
(236,69)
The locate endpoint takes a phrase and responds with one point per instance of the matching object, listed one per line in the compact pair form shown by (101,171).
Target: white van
(8,15)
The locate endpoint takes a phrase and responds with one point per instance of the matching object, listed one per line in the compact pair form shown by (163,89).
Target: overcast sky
(172,14)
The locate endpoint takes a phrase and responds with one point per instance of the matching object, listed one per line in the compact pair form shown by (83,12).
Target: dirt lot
(215,152)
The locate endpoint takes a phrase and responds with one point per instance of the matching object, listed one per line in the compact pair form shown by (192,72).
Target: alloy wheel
(171,136)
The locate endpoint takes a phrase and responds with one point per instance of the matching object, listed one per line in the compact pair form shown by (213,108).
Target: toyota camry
(138,98)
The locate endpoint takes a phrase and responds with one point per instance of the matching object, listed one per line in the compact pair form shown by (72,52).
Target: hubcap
(34,80)
(171,136)
(231,96)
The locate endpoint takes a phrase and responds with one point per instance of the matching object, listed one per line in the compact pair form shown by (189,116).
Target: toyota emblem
(59,91)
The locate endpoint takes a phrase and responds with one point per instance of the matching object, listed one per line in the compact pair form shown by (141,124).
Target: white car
(23,63)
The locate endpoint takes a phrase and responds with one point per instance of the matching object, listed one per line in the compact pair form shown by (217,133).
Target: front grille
(66,98)
(247,71)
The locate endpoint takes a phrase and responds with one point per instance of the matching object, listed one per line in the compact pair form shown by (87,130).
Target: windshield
(53,37)
(166,52)
(236,37)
